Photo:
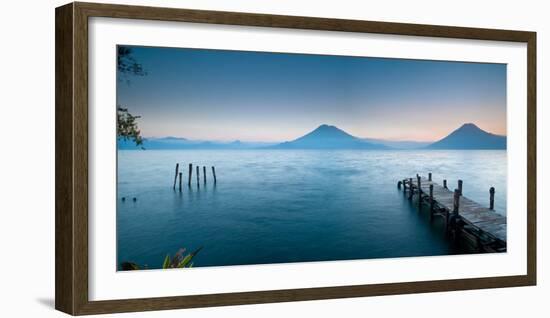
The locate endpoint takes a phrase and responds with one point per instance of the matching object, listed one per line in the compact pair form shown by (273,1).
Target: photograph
(240,158)
(231,158)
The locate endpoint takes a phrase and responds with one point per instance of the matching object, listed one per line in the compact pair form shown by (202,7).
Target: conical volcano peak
(470,136)
(469,127)
(328,137)
(328,131)
(325,126)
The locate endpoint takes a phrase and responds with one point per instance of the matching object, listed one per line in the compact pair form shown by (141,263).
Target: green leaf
(185,260)
(166,263)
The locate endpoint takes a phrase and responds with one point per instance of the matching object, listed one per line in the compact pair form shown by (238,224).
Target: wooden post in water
(198,176)
(446,221)
(419,190)
(492,198)
(429,176)
(410,188)
(460,186)
(180,175)
(214,173)
(445,183)
(404,187)
(204,174)
(456,201)
(399,184)
(190,174)
(431,201)
(456,205)
(176,175)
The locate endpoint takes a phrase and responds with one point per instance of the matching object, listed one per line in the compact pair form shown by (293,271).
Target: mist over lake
(281,205)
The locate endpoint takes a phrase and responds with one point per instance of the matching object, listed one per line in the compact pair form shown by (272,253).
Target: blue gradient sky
(257,96)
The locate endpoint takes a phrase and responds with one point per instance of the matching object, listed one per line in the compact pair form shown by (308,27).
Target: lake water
(277,206)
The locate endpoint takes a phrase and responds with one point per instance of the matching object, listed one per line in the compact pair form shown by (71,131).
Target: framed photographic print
(211,158)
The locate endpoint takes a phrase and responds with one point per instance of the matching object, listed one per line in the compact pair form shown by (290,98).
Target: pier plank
(483,220)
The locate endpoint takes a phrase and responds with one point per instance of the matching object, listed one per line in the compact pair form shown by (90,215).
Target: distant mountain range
(468,136)
(183,143)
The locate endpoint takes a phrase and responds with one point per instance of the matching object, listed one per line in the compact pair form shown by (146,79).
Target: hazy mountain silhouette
(399,144)
(469,136)
(171,143)
(328,137)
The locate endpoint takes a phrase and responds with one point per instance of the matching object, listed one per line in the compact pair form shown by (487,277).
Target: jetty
(480,227)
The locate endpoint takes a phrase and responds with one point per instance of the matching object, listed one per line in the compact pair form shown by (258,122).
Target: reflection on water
(290,206)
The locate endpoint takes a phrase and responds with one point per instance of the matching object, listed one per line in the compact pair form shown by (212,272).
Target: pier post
(462,219)
(180,175)
(492,198)
(204,174)
(176,175)
(429,176)
(445,183)
(410,188)
(419,190)
(431,201)
(190,174)
(456,198)
(446,221)
(198,176)
(456,201)
(214,173)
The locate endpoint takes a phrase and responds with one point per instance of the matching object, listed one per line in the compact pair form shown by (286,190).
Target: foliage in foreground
(127,64)
(178,261)
(127,127)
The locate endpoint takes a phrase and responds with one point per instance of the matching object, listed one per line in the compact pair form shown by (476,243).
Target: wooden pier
(481,228)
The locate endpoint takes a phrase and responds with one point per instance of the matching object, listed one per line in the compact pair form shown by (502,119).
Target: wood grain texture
(64,235)
(164,303)
(469,211)
(80,147)
(532,158)
(297,22)
(72,157)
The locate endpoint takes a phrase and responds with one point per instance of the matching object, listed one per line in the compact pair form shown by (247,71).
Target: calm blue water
(273,206)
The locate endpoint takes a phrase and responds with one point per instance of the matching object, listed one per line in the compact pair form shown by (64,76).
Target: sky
(259,96)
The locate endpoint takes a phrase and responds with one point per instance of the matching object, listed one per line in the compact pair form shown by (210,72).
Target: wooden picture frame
(71,221)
